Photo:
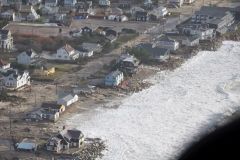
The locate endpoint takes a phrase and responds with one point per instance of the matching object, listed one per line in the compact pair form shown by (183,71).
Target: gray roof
(68,98)
(71,134)
(153,51)
(213,11)
(114,73)
(164,38)
(90,46)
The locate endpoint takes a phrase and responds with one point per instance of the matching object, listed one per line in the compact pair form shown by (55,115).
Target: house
(67,53)
(69,2)
(158,13)
(84,7)
(114,78)
(155,53)
(4,65)
(141,16)
(8,15)
(27,57)
(236,12)
(53,107)
(13,79)
(218,18)
(86,30)
(32,2)
(91,47)
(116,11)
(189,1)
(104,3)
(66,9)
(67,138)
(148,4)
(76,33)
(27,13)
(27,145)
(51,3)
(6,40)
(111,35)
(34,116)
(190,41)
(179,3)
(68,100)
(128,64)
(86,89)
(55,144)
(49,11)
(135,9)
(202,30)
(165,42)
(124,3)
(11,3)
(50,115)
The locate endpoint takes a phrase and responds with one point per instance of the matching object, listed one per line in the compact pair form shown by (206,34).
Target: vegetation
(140,54)
(5,97)
(3,23)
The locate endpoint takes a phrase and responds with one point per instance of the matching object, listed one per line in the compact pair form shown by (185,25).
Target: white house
(177,2)
(67,53)
(69,2)
(190,41)
(27,57)
(6,40)
(166,42)
(85,53)
(158,13)
(51,3)
(189,1)
(114,78)
(68,100)
(13,79)
(148,3)
(105,3)
(27,13)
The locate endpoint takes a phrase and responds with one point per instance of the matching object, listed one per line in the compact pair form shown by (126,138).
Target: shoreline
(207,131)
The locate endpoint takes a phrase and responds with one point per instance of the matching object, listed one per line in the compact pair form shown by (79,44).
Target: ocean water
(160,122)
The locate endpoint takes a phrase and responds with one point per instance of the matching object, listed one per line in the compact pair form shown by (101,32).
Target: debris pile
(92,149)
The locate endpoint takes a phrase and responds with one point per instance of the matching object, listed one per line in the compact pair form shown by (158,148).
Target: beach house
(114,78)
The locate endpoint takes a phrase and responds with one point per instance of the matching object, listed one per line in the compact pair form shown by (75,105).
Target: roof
(25,8)
(213,11)
(90,46)
(164,38)
(192,38)
(31,53)
(51,105)
(4,32)
(153,51)
(27,144)
(68,48)
(70,134)
(68,98)
(141,13)
(114,73)
(50,1)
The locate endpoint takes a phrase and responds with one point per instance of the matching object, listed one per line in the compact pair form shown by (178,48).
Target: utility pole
(10,124)
(35,96)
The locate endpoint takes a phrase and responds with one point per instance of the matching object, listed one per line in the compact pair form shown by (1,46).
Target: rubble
(91,150)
